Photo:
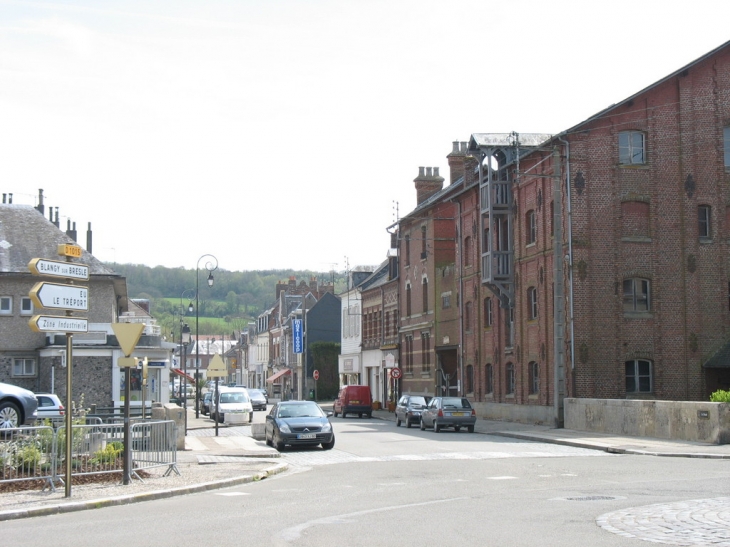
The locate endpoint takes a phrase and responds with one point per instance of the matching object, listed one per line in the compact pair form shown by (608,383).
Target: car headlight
(326,428)
(284,428)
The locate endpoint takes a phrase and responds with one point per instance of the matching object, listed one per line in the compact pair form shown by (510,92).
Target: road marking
(233,494)
(500,478)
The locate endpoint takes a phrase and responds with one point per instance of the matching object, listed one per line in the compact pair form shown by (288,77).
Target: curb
(61,508)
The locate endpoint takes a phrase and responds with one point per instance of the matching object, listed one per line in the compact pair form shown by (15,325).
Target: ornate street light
(184,341)
(211,265)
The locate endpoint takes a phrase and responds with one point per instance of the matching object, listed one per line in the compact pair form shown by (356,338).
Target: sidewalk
(210,462)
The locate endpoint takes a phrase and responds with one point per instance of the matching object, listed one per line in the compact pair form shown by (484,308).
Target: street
(383,485)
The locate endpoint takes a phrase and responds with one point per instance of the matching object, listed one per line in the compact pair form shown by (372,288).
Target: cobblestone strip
(700,523)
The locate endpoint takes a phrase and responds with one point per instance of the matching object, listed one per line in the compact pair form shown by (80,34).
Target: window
(467,251)
(426,347)
(408,300)
(509,319)
(638,376)
(470,379)
(530,227)
(552,218)
(6,305)
(408,251)
(446,301)
(26,306)
(424,254)
(534,378)
(23,367)
(468,317)
(488,312)
(489,377)
(631,148)
(510,379)
(532,302)
(726,135)
(636,295)
(409,354)
(424,286)
(703,219)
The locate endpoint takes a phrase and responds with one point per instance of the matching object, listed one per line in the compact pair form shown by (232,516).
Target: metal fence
(38,453)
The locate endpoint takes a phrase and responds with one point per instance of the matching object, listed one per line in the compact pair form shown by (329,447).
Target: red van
(354,400)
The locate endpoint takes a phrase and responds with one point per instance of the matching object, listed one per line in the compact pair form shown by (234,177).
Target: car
(258,400)
(18,406)
(354,399)
(409,407)
(455,412)
(205,403)
(50,407)
(232,406)
(298,423)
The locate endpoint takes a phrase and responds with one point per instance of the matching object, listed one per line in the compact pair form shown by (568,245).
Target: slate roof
(26,234)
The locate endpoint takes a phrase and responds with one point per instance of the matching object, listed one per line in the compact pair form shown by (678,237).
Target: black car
(298,423)
(205,404)
(258,399)
(409,409)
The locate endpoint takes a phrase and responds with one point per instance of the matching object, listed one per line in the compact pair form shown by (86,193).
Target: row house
(592,263)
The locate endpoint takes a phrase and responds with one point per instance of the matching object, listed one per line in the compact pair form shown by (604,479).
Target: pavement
(240,458)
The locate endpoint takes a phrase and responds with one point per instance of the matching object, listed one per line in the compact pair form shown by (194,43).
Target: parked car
(18,406)
(298,423)
(205,403)
(50,407)
(258,399)
(354,400)
(232,406)
(454,412)
(409,409)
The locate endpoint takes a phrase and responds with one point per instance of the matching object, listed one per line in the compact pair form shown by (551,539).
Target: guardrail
(38,453)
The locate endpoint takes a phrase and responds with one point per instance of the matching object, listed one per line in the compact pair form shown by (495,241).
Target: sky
(278,134)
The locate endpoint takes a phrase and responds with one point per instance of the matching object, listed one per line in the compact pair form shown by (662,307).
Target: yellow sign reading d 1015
(74,251)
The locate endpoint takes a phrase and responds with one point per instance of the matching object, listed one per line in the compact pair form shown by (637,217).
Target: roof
(26,234)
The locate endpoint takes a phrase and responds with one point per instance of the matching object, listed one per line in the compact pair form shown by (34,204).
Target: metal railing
(38,453)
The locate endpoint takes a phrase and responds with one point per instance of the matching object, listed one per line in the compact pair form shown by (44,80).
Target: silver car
(454,412)
(18,406)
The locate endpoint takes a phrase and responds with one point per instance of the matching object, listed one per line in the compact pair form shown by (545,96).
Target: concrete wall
(689,421)
(527,414)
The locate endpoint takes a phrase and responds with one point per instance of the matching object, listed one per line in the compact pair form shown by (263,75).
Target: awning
(278,375)
(181,373)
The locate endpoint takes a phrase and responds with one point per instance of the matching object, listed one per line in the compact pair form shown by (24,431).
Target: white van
(233,406)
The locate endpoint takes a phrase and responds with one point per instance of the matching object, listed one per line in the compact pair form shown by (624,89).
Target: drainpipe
(570,260)
(461,299)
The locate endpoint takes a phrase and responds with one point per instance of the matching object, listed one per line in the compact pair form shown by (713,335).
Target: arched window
(532,303)
(530,227)
(510,377)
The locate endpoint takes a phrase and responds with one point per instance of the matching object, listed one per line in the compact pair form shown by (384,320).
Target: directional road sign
(56,268)
(60,297)
(50,323)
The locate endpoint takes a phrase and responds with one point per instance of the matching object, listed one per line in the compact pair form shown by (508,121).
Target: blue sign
(298,335)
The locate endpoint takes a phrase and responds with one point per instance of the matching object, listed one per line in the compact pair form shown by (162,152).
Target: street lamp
(211,265)
(184,341)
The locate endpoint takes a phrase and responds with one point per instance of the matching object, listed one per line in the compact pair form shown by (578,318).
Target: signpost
(216,369)
(67,297)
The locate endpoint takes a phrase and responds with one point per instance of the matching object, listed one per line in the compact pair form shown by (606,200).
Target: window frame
(510,379)
(26,306)
(6,305)
(532,303)
(534,369)
(704,222)
(530,227)
(627,148)
(632,298)
(488,313)
(489,379)
(637,376)
(25,362)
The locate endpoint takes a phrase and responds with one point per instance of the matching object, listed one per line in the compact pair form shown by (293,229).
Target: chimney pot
(455,146)
(435,171)
(420,171)
(428,171)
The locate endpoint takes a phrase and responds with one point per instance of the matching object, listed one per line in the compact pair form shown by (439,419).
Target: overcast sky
(281,133)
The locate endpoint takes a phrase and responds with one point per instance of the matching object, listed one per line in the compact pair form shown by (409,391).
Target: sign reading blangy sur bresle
(55,268)
(51,323)
(60,297)
(297,335)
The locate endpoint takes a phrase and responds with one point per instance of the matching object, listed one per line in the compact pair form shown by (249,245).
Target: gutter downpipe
(570,260)
(461,302)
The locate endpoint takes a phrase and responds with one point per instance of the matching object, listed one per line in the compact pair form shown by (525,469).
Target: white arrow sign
(61,297)
(54,268)
(50,323)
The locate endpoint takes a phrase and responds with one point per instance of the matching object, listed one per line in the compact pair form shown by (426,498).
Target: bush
(108,454)
(720,396)
(27,458)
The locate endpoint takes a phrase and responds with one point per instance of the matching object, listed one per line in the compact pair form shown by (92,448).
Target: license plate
(355,402)
(307,436)
(457,413)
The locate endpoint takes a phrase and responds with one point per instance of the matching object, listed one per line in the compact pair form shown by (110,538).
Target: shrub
(108,454)
(720,396)
(27,458)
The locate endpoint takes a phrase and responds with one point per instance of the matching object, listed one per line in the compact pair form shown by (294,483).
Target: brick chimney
(428,182)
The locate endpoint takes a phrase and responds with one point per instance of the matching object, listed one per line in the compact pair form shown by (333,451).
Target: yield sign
(128,335)
(216,368)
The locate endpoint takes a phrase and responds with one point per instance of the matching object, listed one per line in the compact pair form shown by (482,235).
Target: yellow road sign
(127,335)
(74,251)
(216,367)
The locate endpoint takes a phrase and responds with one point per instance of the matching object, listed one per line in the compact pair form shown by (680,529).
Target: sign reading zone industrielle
(50,323)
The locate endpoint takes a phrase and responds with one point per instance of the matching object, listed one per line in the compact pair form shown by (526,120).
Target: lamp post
(211,265)
(184,341)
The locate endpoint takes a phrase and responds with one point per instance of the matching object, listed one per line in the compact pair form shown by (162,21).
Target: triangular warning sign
(128,335)
(216,367)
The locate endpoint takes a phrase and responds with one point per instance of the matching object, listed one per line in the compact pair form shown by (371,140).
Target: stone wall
(689,421)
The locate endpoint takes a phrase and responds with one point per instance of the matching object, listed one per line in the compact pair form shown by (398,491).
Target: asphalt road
(383,485)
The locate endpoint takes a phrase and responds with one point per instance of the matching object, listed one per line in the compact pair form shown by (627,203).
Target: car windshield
(419,401)
(300,411)
(455,402)
(233,397)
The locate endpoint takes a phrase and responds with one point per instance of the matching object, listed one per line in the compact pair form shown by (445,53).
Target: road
(383,485)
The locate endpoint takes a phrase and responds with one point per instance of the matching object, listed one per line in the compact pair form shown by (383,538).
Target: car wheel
(9,415)
(397,422)
(268,440)
(250,418)
(334,413)
(343,412)
(359,415)
(423,426)
(221,418)
(470,428)
(457,428)
(408,423)
(369,415)
(330,445)
(279,445)
(436,426)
